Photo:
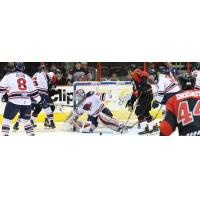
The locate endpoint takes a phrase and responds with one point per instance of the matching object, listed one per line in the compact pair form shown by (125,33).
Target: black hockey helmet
(19,66)
(187,81)
(132,67)
(153,76)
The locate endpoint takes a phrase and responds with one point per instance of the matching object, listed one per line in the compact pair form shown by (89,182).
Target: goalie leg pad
(72,118)
(110,122)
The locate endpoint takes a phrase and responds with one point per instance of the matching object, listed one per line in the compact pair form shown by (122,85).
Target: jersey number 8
(21,84)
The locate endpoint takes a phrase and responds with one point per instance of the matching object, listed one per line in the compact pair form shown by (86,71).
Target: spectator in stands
(78,73)
(114,77)
(84,65)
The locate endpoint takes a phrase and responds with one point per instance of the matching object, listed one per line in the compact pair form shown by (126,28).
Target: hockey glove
(43,104)
(4,98)
(155,104)
(130,103)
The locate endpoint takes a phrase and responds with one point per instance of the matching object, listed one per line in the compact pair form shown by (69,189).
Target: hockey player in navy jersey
(20,89)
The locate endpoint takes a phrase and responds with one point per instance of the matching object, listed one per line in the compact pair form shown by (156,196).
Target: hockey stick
(129,127)
(125,124)
(157,112)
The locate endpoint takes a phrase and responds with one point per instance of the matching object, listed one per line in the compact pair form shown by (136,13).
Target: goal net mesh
(120,93)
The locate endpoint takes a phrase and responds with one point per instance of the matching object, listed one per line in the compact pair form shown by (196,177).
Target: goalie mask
(80,94)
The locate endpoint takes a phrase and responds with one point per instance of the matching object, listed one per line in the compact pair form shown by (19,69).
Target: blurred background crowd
(96,71)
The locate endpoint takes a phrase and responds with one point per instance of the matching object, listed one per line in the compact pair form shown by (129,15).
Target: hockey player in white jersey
(20,89)
(93,105)
(167,87)
(196,74)
(43,80)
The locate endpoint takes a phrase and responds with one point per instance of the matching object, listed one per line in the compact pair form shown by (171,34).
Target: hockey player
(45,83)
(142,92)
(20,89)
(166,84)
(183,110)
(93,105)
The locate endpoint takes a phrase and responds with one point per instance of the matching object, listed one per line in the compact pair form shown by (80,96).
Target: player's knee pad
(110,122)
(73,117)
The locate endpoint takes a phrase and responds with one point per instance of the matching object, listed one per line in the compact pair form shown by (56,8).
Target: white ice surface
(65,130)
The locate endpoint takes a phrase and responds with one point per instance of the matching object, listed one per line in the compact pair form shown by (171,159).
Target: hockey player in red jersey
(183,110)
(143,92)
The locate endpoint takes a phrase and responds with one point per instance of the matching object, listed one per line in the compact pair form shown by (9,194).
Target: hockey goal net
(120,92)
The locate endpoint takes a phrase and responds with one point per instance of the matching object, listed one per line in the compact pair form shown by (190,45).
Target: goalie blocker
(93,105)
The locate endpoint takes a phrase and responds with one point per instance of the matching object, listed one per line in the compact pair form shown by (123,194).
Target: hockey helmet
(153,76)
(19,66)
(174,71)
(80,94)
(163,70)
(187,81)
(58,73)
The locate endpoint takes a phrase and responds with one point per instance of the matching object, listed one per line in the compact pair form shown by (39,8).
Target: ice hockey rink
(63,129)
